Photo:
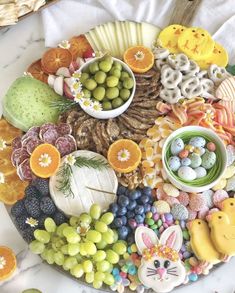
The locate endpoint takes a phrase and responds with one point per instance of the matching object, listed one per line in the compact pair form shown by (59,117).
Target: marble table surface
(19,46)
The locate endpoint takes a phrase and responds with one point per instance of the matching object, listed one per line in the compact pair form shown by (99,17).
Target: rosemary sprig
(65,172)
(63,105)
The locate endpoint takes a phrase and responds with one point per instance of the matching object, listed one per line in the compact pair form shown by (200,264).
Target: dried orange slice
(139,58)
(37,72)
(7,132)
(78,46)
(124,155)
(45,160)
(55,58)
(7,262)
(6,166)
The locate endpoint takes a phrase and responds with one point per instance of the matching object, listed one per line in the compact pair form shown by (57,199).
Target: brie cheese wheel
(89,186)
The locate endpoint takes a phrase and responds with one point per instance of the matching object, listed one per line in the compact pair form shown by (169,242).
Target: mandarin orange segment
(55,58)
(37,72)
(45,160)
(139,58)
(124,155)
(8,132)
(78,46)
(7,262)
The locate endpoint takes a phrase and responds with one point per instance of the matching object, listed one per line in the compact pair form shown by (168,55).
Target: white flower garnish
(64,44)
(70,159)
(96,106)
(45,160)
(76,75)
(83,229)
(85,102)
(123,155)
(78,97)
(2,262)
(139,55)
(2,178)
(32,222)
(77,86)
(3,144)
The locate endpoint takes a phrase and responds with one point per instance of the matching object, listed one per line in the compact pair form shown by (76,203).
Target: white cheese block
(149,33)
(83,182)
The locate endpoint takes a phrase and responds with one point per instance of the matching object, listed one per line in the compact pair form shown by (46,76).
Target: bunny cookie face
(161,268)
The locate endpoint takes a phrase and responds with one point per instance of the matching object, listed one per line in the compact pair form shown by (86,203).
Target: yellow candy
(162,207)
(168,38)
(220,185)
(196,43)
(189,148)
(133,286)
(219,56)
(197,151)
(229,172)
(147,164)
(133,248)
(126,255)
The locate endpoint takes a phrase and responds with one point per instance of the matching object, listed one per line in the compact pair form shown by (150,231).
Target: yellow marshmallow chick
(228,207)
(196,43)
(168,37)
(222,233)
(219,56)
(201,243)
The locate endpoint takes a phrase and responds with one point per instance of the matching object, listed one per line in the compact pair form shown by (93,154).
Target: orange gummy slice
(139,58)
(7,262)
(124,155)
(45,160)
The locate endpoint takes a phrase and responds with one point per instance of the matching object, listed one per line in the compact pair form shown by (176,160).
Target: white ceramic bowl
(215,138)
(114,112)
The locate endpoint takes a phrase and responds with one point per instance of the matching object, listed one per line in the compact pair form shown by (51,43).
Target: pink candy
(156,217)
(160,193)
(219,196)
(171,200)
(203,213)
(191,214)
(197,202)
(211,211)
(183,198)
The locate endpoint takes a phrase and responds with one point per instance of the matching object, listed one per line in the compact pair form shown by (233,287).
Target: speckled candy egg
(200,171)
(208,160)
(179,212)
(177,146)
(174,163)
(198,141)
(195,160)
(187,173)
(197,202)
(185,162)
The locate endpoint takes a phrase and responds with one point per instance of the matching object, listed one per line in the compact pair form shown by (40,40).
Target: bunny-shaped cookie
(161,268)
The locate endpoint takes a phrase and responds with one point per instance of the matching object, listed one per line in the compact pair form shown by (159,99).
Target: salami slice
(32,144)
(65,145)
(18,156)
(16,143)
(64,129)
(32,132)
(24,171)
(50,136)
(45,127)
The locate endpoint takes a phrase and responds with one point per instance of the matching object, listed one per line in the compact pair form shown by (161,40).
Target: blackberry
(32,205)
(42,185)
(21,222)
(47,206)
(27,234)
(31,190)
(18,209)
(41,220)
(59,218)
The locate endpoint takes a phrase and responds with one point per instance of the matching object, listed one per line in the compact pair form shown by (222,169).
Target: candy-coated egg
(174,163)
(187,173)
(200,172)
(201,151)
(177,146)
(183,154)
(211,146)
(195,160)
(185,162)
(198,141)
(208,160)
(189,148)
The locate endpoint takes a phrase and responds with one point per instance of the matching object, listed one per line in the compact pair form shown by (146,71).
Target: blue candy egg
(197,141)
(174,163)
(185,162)
(177,146)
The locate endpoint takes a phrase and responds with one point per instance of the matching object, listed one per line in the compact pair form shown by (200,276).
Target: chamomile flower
(76,86)
(64,44)
(3,144)
(97,106)
(70,159)
(83,229)
(76,75)
(86,103)
(139,55)
(78,96)
(2,178)
(45,160)
(2,262)
(123,155)
(32,222)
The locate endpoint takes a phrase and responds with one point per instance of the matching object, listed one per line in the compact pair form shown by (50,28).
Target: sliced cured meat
(64,129)
(65,145)
(45,127)
(32,144)
(16,143)
(18,156)
(50,136)
(32,132)
(24,170)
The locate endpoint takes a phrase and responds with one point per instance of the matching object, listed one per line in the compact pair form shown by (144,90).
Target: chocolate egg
(177,146)
(187,173)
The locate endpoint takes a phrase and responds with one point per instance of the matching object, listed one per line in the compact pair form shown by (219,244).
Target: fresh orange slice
(124,155)
(78,46)
(55,58)
(7,262)
(45,160)
(139,58)
(8,132)
(37,72)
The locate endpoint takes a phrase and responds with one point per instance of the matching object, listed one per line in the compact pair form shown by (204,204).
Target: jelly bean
(193,277)
(186,235)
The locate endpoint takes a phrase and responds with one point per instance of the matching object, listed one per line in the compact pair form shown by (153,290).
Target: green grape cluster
(90,254)
(106,81)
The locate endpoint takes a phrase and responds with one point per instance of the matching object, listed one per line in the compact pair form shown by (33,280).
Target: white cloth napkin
(73,17)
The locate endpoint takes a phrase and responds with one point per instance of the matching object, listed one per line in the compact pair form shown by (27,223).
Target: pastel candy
(208,196)
(170,190)
(179,212)
(183,198)
(229,172)
(197,202)
(230,186)
(226,90)
(231,152)
(162,207)
(221,184)
(219,196)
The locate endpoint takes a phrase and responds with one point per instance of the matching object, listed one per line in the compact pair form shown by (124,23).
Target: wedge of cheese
(89,186)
